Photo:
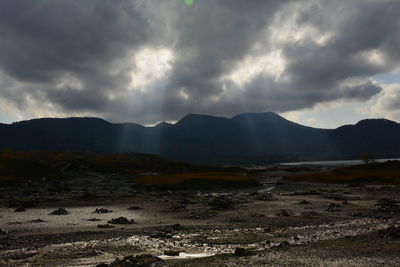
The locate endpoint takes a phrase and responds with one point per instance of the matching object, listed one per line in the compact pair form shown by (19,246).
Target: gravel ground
(292,224)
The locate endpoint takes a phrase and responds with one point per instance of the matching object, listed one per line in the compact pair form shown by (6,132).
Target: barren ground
(321,225)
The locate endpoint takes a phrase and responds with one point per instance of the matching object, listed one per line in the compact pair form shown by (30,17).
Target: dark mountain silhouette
(251,137)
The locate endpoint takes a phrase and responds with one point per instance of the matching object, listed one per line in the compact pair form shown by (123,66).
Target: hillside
(252,137)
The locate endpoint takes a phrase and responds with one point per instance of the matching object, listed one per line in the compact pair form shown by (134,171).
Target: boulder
(121,220)
(102,211)
(59,211)
(143,260)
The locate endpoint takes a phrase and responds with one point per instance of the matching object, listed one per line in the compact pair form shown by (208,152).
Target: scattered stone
(197,216)
(356,214)
(386,209)
(177,207)
(242,252)
(387,202)
(283,212)
(36,221)
(93,220)
(102,211)
(121,220)
(236,220)
(135,208)
(257,215)
(105,226)
(172,252)
(3,232)
(176,227)
(392,232)
(304,193)
(304,202)
(20,209)
(222,203)
(14,223)
(59,211)
(143,260)
(161,235)
(266,196)
(335,197)
(283,244)
(345,202)
(333,207)
(186,201)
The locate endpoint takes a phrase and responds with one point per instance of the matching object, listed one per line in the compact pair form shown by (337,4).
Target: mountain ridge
(203,138)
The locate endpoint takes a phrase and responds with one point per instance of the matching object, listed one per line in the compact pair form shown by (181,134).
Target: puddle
(184,255)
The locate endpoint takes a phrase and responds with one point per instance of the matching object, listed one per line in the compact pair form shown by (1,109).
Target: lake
(333,162)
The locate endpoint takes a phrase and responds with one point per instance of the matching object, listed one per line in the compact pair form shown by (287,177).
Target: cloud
(147,61)
(386,104)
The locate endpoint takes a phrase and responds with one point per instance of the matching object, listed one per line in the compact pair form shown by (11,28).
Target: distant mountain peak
(68,119)
(376,121)
(163,124)
(267,114)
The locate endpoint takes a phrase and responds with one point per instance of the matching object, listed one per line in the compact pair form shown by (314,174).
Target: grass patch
(374,173)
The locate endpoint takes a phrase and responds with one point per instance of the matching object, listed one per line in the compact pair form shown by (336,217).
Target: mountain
(250,137)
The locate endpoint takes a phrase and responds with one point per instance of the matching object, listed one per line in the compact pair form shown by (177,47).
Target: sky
(322,63)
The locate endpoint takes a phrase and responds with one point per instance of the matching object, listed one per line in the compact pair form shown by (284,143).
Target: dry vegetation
(196,180)
(372,173)
(33,166)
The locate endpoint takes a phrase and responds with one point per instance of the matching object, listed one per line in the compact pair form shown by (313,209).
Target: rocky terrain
(106,221)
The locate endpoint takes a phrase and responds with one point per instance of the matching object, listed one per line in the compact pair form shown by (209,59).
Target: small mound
(59,211)
(121,220)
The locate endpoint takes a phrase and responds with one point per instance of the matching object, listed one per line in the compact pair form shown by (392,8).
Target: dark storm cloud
(42,40)
(78,55)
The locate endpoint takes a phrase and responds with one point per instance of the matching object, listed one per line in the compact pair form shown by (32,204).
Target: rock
(345,202)
(135,208)
(266,196)
(59,211)
(337,197)
(392,232)
(3,232)
(36,221)
(304,202)
(161,235)
(283,244)
(310,213)
(333,207)
(386,209)
(222,203)
(172,252)
(387,202)
(176,227)
(177,207)
(236,220)
(186,201)
(102,211)
(20,209)
(241,252)
(257,215)
(356,214)
(121,220)
(93,220)
(283,212)
(105,226)
(143,260)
